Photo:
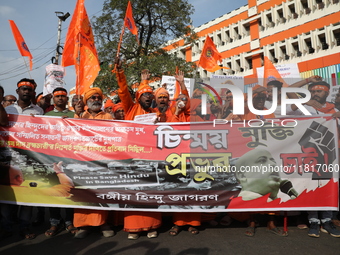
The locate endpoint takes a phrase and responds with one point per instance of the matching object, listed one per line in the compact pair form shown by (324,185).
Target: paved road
(210,240)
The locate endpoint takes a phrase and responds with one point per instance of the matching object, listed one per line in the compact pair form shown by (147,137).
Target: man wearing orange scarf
(162,104)
(319,92)
(93,99)
(84,218)
(144,96)
(135,222)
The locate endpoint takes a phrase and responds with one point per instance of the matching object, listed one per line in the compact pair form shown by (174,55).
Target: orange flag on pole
(22,47)
(210,56)
(129,21)
(270,73)
(80,50)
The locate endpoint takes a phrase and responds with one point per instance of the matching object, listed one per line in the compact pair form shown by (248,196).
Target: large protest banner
(286,164)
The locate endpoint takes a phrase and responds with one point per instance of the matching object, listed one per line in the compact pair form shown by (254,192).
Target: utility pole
(61,17)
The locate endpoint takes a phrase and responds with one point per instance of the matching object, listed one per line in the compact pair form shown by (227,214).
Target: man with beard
(136,222)
(86,218)
(144,95)
(163,110)
(93,99)
(319,92)
(26,92)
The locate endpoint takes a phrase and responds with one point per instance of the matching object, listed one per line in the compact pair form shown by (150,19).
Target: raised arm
(180,79)
(123,90)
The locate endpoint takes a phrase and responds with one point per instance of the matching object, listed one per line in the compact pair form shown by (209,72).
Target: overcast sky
(38,24)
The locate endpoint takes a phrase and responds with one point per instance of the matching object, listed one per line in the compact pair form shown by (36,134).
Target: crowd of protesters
(93,104)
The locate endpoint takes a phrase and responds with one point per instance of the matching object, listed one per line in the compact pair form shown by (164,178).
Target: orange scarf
(328,108)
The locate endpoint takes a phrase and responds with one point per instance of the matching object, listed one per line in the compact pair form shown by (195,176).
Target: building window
(336,34)
(324,44)
(270,22)
(292,11)
(304,4)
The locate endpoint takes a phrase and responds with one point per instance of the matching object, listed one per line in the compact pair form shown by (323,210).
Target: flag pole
(28,69)
(119,44)
(78,67)
(120,40)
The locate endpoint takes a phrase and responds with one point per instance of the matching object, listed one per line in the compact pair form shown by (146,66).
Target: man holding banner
(84,218)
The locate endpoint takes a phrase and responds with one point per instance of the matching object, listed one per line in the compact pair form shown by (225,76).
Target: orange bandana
(108,103)
(117,107)
(26,83)
(320,87)
(161,92)
(143,88)
(60,93)
(39,98)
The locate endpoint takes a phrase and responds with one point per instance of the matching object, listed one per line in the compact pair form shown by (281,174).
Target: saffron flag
(271,73)
(80,50)
(129,22)
(210,56)
(22,46)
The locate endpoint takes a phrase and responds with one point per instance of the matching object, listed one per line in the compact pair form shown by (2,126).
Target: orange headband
(320,87)
(163,94)
(60,93)
(39,97)
(26,83)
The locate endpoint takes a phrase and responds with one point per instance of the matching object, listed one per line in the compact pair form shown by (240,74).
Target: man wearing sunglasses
(93,99)
(8,100)
(83,218)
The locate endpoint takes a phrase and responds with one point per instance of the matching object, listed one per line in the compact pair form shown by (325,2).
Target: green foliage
(158,21)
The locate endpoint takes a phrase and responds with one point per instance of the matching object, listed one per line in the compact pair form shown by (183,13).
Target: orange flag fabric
(129,21)
(210,56)
(271,73)
(22,47)
(80,50)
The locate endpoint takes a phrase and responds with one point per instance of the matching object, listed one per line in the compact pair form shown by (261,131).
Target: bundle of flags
(80,50)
